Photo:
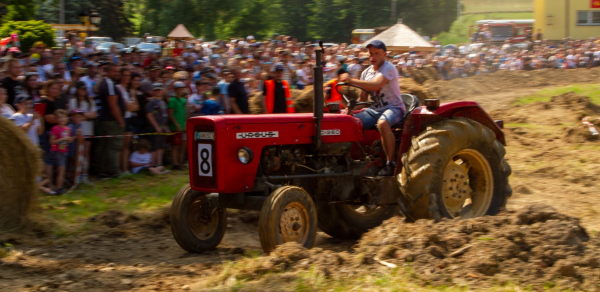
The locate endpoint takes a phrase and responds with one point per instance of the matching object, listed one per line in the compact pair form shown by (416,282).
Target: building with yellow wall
(558,19)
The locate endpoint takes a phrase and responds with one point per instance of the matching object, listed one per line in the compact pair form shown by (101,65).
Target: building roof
(180,32)
(401,38)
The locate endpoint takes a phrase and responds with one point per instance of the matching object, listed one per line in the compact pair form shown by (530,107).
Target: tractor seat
(411,102)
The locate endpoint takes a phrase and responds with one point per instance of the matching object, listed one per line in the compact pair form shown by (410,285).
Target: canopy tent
(401,38)
(180,32)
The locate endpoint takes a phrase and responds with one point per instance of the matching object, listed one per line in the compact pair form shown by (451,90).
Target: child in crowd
(141,160)
(60,137)
(76,125)
(177,119)
(211,105)
(87,105)
(5,109)
(156,113)
(31,124)
(196,100)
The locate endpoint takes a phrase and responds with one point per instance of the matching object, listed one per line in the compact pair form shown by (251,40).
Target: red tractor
(309,171)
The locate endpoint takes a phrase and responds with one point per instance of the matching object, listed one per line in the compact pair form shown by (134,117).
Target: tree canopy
(328,20)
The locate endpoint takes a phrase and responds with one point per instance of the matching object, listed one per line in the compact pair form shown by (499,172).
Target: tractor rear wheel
(288,215)
(456,168)
(345,221)
(196,226)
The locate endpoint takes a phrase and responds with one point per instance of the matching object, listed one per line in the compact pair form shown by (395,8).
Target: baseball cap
(169,68)
(154,67)
(178,84)
(157,86)
(378,45)
(76,111)
(278,67)
(91,63)
(21,98)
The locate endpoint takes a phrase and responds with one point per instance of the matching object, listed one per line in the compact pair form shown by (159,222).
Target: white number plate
(334,132)
(254,135)
(205,136)
(205,167)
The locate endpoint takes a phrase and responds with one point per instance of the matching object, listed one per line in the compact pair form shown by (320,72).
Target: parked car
(148,47)
(132,41)
(105,47)
(99,40)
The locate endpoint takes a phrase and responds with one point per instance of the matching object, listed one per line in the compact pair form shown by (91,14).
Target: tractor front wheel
(196,226)
(288,215)
(454,169)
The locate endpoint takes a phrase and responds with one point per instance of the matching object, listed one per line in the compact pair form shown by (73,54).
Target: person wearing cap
(157,115)
(277,95)
(177,119)
(238,97)
(381,79)
(153,77)
(31,124)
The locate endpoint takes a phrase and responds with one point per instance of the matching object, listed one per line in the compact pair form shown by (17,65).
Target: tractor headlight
(245,155)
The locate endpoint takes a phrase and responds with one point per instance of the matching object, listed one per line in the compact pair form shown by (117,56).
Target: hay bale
(255,101)
(19,166)
(408,85)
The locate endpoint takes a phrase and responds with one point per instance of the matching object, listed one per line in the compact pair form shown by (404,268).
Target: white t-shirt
(138,157)
(354,69)
(126,98)
(302,78)
(196,101)
(22,119)
(87,127)
(388,95)
(6,111)
(89,83)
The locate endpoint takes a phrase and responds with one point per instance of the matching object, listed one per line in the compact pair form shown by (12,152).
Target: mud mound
(537,122)
(504,80)
(534,246)
(20,163)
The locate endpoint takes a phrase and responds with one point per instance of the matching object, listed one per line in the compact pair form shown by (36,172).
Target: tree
(29,32)
(19,10)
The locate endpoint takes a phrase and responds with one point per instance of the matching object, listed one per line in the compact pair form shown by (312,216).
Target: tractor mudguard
(421,118)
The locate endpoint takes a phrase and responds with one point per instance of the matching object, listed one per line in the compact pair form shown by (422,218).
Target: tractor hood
(278,118)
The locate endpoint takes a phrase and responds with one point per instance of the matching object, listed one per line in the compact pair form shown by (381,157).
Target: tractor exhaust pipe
(318,92)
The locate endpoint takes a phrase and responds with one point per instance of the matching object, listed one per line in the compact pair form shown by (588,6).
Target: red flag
(595,3)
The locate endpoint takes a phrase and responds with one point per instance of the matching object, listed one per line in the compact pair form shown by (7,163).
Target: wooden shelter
(400,38)
(180,32)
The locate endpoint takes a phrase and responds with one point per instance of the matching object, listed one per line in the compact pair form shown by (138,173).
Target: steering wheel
(352,103)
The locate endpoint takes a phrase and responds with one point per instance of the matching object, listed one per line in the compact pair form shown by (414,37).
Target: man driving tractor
(381,78)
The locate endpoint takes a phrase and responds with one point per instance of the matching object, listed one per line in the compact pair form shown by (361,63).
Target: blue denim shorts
(369,117)
(56,159)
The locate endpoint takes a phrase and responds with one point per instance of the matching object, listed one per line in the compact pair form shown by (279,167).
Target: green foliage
(328,20)
(29,32)
(590,90)
(115,21)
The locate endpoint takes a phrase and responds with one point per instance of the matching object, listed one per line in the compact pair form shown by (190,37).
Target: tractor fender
(422,117)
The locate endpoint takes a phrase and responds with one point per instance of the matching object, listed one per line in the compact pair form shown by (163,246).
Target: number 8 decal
(205,160)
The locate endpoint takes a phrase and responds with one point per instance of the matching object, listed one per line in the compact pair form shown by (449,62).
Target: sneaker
(126,173)
(59,192)
(84,179)
(388,169)
(165,171)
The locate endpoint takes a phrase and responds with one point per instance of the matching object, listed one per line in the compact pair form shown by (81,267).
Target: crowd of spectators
(129,106)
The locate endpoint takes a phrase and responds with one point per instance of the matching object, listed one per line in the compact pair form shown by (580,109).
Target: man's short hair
(60,112)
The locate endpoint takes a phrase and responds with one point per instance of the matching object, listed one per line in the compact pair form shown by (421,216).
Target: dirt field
(539,244)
